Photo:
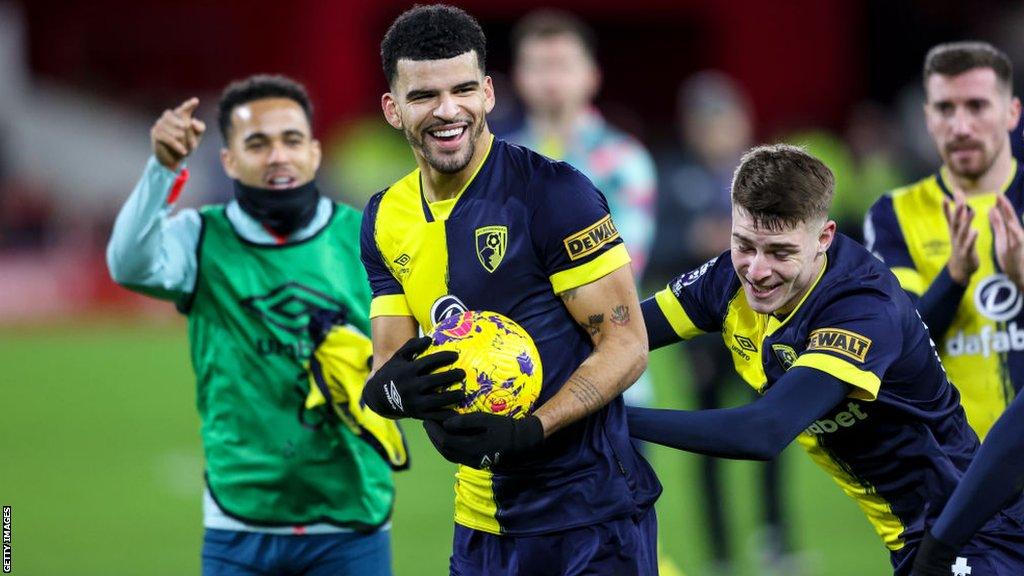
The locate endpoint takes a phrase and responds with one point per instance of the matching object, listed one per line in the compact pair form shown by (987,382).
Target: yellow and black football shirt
(523,230)
(983,347)
(899,442)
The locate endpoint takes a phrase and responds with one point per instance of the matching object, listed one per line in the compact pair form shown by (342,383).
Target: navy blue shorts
(626,547)
(237,553)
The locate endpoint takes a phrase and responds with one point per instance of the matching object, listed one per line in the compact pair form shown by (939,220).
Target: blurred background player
(282,496)
(561,490)
(556,75)
(715,125)
(843,362)
(938,234)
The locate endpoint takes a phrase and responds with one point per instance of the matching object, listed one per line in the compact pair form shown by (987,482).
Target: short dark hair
(434,32)
(259,87)
(549,22)
(954,58)
(781,186)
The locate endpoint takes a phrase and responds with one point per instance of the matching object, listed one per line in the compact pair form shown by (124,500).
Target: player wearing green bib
(288,492)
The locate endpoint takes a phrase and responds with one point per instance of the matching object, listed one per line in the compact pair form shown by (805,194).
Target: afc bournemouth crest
(491,242)
(785,354)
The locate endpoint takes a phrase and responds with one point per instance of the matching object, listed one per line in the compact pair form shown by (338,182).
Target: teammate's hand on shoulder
(934,557)
(176,134)
(963,254)
(406,385)
(484,441)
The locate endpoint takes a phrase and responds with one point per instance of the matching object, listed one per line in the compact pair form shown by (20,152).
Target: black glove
(483,440)
(934,557)
(405,387)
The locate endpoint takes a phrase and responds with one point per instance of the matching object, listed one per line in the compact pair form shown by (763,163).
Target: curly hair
(434,32)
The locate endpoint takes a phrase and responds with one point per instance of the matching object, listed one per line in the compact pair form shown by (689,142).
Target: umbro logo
(393,398)
(289,306)
(402,260)
(486,462)
(745,343)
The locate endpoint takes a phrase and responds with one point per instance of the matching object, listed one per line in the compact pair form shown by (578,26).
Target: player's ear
(488,94)
(390,108)
(1014,116)
(227,160)
(594,83)
(826,236)
(317,154)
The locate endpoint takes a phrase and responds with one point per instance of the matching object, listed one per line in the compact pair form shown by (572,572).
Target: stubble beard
(448,164)
(987,161)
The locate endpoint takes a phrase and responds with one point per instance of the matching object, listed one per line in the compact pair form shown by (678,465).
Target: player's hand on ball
(176,134)
(934,557)
(405,386)
(483,441)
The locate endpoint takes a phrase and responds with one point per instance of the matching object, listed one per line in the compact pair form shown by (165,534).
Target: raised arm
(149,250)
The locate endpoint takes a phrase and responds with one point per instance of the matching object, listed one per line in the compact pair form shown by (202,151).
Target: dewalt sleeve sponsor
(591,238)
(849,344)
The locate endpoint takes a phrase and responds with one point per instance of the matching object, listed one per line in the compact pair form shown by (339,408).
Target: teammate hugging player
(485,225)
(823,330)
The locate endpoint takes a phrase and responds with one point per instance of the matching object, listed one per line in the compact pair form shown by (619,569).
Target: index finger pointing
(187,107)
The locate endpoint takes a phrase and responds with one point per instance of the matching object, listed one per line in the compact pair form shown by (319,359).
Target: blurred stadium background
(99,445)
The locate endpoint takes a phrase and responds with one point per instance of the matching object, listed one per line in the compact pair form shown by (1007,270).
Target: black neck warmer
(283,211)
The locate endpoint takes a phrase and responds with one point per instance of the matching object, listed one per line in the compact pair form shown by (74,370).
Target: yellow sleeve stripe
(599,267)
(390,305)
(676,316)
(866,384)
(910,279)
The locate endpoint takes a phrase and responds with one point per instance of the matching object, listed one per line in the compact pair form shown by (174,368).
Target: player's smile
(280,179)
(762,292)
(448,137)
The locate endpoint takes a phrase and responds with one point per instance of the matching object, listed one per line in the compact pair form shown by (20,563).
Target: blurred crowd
(68,158)
(61,181)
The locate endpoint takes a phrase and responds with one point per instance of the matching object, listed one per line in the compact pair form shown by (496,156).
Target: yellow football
(503,368)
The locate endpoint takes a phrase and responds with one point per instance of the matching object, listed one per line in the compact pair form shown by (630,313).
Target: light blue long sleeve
(151,251)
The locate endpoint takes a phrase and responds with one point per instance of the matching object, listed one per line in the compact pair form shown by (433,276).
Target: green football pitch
(101,463)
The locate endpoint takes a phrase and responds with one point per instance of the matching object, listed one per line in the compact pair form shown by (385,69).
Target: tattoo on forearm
(585,391)
(568,295)
(593,324)
(620,315)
